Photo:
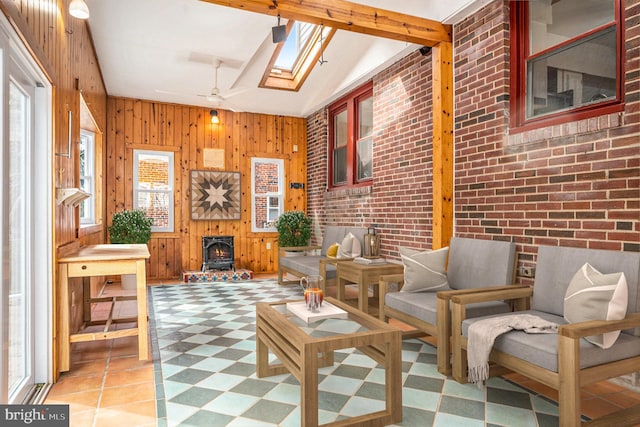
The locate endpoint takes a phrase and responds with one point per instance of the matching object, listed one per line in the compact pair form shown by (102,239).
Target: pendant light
(79,9)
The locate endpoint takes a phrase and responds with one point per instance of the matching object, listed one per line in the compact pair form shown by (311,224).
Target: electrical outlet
(268,245)
(526,271)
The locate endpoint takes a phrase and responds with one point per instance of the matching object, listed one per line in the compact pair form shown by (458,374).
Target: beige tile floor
(107,385)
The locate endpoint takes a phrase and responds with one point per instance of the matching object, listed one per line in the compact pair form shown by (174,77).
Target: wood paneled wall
(63,47)
(187,131)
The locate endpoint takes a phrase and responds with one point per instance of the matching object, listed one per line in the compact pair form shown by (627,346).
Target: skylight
(294,45)
(293,60)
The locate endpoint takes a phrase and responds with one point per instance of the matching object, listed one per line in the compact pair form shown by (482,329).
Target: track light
(214,117)
(279,32)
(79,9)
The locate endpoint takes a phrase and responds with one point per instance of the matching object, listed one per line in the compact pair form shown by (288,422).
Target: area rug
(203,342)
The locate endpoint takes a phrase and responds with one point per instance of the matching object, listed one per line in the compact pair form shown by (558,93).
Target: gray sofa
(306,260)
(564,361)
(472,264)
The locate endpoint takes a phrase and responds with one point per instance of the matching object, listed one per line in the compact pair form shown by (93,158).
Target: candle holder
(371,244)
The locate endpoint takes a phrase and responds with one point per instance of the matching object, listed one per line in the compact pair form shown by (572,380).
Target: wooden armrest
(455,292)
(508,292)
(383,283)
(596,327)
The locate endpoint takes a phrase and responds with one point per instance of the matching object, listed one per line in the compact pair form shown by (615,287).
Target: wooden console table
(103,260)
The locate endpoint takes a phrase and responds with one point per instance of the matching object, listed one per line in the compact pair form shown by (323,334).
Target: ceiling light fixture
(214,117)
(279,32)
(79,9)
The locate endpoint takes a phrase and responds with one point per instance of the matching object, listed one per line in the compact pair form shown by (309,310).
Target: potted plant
(130,227)
(294,229)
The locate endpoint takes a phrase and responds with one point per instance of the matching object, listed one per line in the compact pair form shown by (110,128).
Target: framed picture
(215,195)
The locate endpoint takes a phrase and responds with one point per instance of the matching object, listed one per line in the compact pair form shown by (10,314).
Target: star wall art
(215,195)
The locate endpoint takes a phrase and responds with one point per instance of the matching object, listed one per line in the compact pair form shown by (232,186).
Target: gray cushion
(542,349)
(556,266)
(332,234)
(592,295)
(335,234)
(307,265)
(423,305)
(475,263)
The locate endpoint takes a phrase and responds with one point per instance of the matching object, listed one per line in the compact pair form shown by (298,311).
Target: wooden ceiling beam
(345,15)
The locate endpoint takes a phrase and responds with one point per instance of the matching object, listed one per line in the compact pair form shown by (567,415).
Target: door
(25,214)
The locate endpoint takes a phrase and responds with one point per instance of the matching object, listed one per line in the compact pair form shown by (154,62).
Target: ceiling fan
(215,96)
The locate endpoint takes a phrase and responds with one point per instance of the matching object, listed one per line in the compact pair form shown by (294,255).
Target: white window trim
(169,192)
(279,194)
(90,203)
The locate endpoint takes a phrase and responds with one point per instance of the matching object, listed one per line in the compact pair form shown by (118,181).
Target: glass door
(26,212)
(20,307)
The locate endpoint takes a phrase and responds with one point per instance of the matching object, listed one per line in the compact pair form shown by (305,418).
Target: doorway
(25,218)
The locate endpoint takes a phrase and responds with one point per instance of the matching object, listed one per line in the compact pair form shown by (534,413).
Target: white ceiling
(164,50)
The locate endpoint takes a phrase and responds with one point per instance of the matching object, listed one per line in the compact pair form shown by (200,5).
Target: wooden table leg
(143,325)
(393,378)
(363,294)
(309,387)
(340,284)
(64,344)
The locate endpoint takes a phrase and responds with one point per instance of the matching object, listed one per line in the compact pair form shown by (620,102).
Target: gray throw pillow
(424,271)
(592,295)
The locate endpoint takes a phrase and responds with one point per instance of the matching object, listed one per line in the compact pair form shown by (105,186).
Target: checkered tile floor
(203,340)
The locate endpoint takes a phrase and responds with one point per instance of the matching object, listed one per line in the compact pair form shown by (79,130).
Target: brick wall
(399,201)
(575,184)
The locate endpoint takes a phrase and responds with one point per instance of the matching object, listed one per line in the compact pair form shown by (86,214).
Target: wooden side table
(363,275)
(103,260)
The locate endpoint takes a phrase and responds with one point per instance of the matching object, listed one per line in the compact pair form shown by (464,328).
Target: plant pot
(128,282)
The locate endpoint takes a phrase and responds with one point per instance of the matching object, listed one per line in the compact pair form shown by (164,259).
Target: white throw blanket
(483,333)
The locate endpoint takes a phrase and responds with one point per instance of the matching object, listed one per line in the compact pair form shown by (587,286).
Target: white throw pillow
(424,270)
(350,247)
(592,295)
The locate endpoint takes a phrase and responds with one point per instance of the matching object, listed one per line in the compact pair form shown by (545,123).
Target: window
(351,139)
(153,187)
(566,55)
(87,176)
(293,59)
(267,193)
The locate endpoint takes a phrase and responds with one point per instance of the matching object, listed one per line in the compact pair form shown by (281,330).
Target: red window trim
(348,103)
(519,50)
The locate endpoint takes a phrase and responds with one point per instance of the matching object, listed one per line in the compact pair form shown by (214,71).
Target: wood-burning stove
(217,253)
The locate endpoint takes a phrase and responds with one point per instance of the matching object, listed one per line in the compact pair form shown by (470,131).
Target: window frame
(350,103)
(282,79)
(170,192)
(279,194)
(89,204)
(520,48)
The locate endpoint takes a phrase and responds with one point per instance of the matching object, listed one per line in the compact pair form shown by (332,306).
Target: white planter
(128,282)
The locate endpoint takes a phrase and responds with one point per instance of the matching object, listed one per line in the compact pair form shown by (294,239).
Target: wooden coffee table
(363,275)
(301,349)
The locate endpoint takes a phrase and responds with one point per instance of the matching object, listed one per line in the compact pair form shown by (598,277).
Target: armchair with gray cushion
(577,355)
(306,260)
(472,264)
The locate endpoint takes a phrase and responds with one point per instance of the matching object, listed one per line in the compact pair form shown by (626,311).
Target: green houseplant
(130,227)
(294,229)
